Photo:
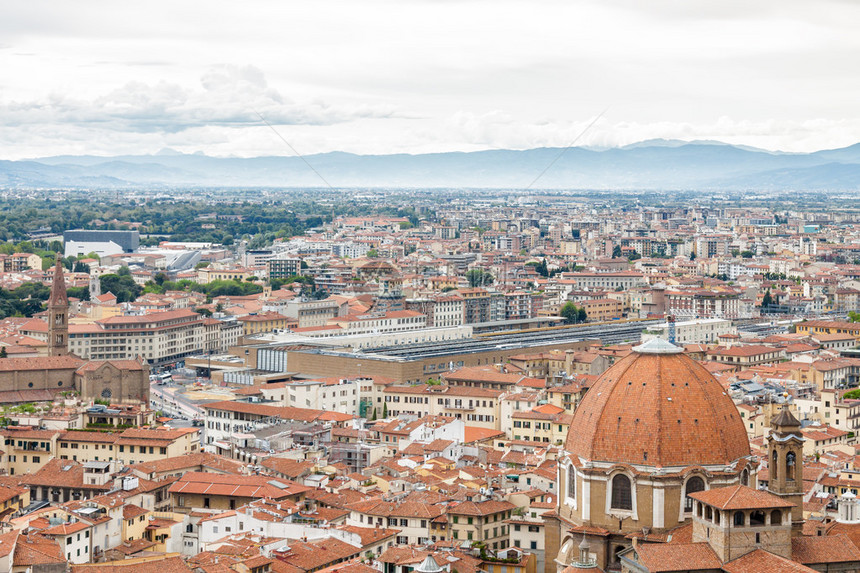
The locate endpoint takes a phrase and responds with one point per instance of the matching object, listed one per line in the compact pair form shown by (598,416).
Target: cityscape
(442,326)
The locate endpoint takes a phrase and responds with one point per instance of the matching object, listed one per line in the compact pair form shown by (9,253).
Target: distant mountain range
(656,164)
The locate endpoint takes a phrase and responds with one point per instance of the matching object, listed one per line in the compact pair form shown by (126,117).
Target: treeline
(182,220)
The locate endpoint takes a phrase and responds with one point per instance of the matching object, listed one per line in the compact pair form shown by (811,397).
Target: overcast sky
(104,77)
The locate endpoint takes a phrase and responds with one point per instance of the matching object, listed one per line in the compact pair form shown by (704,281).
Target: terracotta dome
(657,407)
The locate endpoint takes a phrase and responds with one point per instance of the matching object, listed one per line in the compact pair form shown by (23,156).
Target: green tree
(572,314)
(372,253)
(80,293)
(121,285)
(747,254)
(478,277)
(384,411)
(767,300)
(616,252)
(373,415)
(3,352)
(854,316)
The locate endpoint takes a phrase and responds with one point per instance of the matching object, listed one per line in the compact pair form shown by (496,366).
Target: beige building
(264,322)
(547,423)
(132,446)
(475,406)
(204,490)
(483,521)
(601,309)
(208,274)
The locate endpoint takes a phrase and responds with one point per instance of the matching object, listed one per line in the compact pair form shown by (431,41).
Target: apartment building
(27,451)
(811,327)
(742,357)
(328,394)
(283,268)
(520,305)
(224,419)
(475,406)
(703,304)
(203,490)
(160,337)
(441,310)
(396,321)
(256,323)
(476,305)
(701,331)
(623,280)
(601,309)
(209,274)
(546,423)
(311,313)
(482,522)
(17,262)
(414,520)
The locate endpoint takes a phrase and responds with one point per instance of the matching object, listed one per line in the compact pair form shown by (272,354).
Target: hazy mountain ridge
(659,164)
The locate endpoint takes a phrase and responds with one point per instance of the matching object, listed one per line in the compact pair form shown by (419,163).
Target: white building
(329,394)
(699,331)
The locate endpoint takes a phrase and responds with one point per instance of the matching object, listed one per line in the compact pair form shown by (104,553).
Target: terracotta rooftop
(235,486)
(658,409)
(817,550)
(170,563)
(760,561)
(664,557)
(739,497)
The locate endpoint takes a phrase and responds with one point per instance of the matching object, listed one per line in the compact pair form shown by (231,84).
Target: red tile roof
(760,561)
(740,497)
(235,486)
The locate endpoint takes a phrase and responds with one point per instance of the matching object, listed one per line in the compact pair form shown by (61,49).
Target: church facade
(42,378)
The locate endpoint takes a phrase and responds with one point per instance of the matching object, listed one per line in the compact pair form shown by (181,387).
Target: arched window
(776,517)
(709,513)
(773,466)
(571,482)
(694,484)
(790,466)
(757,518)
(745,477)
(622,497)
(738,519)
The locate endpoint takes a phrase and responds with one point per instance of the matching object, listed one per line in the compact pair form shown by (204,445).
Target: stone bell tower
(58,314)
(785,464)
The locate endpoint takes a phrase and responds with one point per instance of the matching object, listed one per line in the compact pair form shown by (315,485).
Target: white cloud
(382,76)
(228,96)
